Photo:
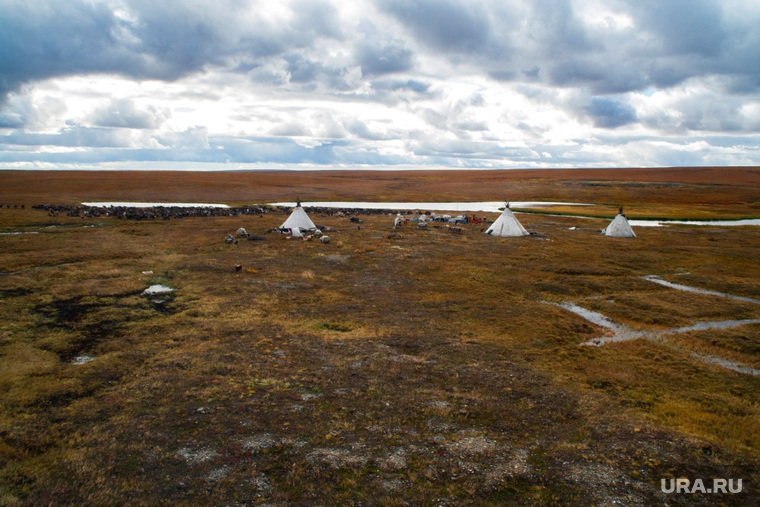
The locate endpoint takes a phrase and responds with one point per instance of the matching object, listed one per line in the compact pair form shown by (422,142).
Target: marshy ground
(430,368)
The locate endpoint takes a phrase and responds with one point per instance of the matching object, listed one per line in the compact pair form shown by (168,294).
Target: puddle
(715,223)
(624,333)
(487,206)
(686,288)
(621,333)
(725,363)
(591,316)
(154,290)
(706,326)
(82,359)
(45,228)
(117,204)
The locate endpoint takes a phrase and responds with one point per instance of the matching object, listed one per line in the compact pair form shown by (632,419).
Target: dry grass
(373,370)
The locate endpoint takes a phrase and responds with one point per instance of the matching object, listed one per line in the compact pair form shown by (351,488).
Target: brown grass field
(429,369)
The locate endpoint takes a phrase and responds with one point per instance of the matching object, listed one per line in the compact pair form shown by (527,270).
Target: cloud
(123,113)
(75,136)
(45,39)
(444,25)
(11,121)
(363,131)
(561,33)
(193,138)
(144,39)
(412,82)
(411,85)
(388,59)
(610,113)
(680,27)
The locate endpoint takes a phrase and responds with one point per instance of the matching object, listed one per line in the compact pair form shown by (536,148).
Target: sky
(391,84)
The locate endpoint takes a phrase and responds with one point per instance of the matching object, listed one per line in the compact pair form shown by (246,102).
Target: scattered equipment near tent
(507,225)
(619,227)
(298,222)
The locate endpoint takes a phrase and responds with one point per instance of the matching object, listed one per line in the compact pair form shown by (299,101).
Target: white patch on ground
(336,458)
(218,475)
(394,461)
(196,456)
(338,259)
(604,480)
(157,289)
(517,465)
(82,359)
(258,443)
(405,358)
(440,426)
(394,485)
(310,396)
(261,483)
(472,445)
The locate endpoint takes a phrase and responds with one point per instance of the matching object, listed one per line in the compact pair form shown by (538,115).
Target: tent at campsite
(298,222)
(507,225)
(619,227)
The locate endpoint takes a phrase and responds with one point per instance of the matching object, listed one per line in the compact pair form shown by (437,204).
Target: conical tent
(619,227)
(297,221)
(507,225)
